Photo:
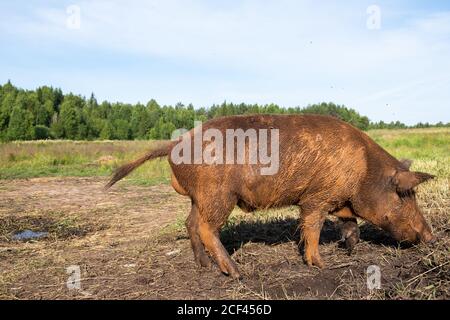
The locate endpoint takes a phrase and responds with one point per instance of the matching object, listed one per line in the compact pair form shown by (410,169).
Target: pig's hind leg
(214,211)
(192,225)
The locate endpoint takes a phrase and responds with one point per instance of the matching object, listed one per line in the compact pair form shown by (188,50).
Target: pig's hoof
(235,275)
(203,261)
(229,268)
(314,261)
(233,272)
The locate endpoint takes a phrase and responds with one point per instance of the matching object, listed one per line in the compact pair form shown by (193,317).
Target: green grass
(32,159)
(414,143)
(429,148)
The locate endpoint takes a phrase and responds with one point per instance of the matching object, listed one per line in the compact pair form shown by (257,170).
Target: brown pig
(319,163)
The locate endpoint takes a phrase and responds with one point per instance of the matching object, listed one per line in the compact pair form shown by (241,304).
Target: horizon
(387,61)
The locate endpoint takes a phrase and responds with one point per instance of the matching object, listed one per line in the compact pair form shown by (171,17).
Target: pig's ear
(407,180)
(406,163)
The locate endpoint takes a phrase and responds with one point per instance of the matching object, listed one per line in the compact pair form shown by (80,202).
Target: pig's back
(320,157)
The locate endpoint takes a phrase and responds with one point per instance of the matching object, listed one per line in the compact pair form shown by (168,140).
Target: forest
(48,113)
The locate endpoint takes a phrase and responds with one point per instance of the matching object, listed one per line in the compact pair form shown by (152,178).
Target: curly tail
(123,171)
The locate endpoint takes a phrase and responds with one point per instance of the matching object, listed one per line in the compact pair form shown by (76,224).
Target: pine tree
(70,116)
(20,124)
(6,106)
(107,132)
(122,131)
(56,128)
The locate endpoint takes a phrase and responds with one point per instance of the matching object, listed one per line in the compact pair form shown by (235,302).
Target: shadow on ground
(281,230)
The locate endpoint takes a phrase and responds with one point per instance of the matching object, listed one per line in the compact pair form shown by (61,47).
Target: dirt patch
(131,243)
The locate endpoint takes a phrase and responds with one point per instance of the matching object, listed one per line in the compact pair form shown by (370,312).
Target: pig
(325,167)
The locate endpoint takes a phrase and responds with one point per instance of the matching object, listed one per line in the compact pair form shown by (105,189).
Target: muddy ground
(130,243)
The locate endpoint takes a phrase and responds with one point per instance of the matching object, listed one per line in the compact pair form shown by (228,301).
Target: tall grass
(77,158)
(415,143)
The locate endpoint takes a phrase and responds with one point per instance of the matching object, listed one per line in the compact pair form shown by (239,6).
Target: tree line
(48,113)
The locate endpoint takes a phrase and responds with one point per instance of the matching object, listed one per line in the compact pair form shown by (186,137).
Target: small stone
(171,253)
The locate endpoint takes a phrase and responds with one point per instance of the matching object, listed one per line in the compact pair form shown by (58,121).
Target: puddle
(39,227)
(29,235)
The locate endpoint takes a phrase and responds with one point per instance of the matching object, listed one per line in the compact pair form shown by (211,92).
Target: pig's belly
(266,195)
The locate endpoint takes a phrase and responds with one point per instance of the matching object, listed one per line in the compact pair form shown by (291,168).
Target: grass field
(430,148)
(55,158)
(131,242)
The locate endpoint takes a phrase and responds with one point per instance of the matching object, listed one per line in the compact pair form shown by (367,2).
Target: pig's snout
(424,236)
(416,237)
(428,238)
(422,231)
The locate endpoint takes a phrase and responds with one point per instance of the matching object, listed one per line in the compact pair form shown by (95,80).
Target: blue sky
(292,53)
